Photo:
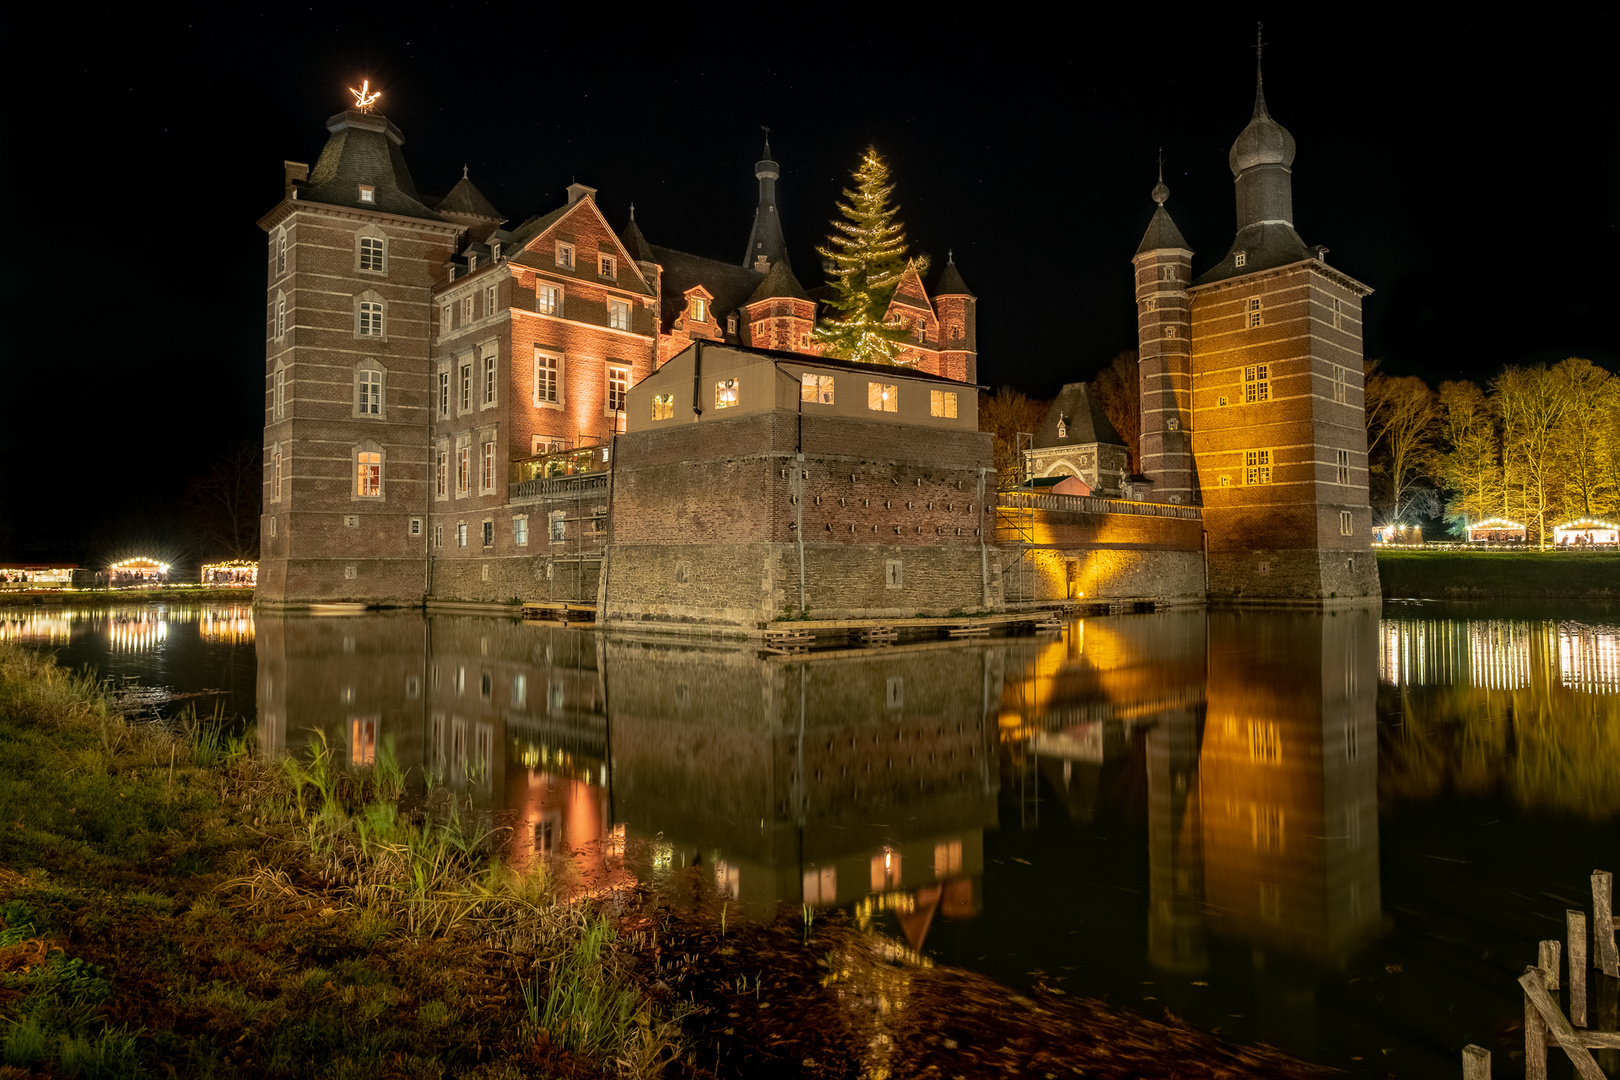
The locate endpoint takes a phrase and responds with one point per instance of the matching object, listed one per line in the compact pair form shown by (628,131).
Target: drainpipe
(1206,566)
(697,379)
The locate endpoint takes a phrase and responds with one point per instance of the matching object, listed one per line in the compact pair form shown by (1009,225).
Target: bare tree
(1583,435)
(1531,403)
(1004,414)
(1471,463)
(225,500)
(1402,419)
(1119,391)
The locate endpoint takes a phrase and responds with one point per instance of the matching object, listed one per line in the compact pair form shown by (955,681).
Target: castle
(435,382)
(443,398)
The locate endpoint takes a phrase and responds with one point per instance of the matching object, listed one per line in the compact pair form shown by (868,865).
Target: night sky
(1469,171)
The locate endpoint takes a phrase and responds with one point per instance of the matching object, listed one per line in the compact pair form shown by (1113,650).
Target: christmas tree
(866,254)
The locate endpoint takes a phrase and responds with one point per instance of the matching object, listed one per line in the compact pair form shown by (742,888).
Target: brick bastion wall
(1056,547)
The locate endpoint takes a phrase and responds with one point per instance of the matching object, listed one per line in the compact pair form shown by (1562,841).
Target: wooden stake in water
(1576,923)
(1535,1038)
(1476,1063)
(1603,950)
(1548,960)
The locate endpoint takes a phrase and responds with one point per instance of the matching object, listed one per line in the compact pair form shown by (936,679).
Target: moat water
(1342,834)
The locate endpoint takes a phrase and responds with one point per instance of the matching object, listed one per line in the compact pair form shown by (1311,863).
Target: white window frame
(488,537)
(441,471)
(1256,384)
(619,373)
(461,534)
(446,318)
(549,367)
(1253,314)
(280,256)
(548,298)
(727,393)
(1347,523)
(565,255)
(1342,467)
(368,194)
(520,538)
(1257,466)
(618,313)
(370,317)
(280,315)
(486,471)
(278,393)
(464,369)
(371,251)
(491,392)
(607,266)
(697,309)
(442,407)
(369,383)
(491,298)
(463,471)
(276,472)
(1240,258)
(438,536)
(467,308)
(882,397)
(1341,384)
(817,389)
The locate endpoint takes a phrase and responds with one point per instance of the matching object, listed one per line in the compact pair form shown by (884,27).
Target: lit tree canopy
(867,254)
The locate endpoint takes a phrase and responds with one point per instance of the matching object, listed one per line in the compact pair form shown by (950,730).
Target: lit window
(461,534)
(278,396)
(463,469)
(1257,466)
(816,388)
(696,309)
(444,391)
(520,536)
(1346,522)
(371,253)
(489,466)
(1252,309)
(565,255)
(368,393)
(1063,430)
(369,480)
(489,300)
(725,394)
(371,319)
(558,525)
(663,406)
(368,194)
(489,541)
(465,386)
(1256,383)
(617,385)
(882,397)
(489,379)
(731,324)
(441,482)
(607,266)
(618,315)
(548,299)
(943,403)
(1240,259)
(547,378)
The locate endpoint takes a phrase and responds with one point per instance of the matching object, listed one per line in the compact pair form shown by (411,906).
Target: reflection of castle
(865,780)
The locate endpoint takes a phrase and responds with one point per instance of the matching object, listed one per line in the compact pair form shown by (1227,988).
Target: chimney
(292,171)
(577,192)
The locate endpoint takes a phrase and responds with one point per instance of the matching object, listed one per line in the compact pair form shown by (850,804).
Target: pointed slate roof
(766,238)
(779,283)
(364,148)
(635,243)
(950,282)
(467,201)
(1162,234)
(1083,417)
(730,285)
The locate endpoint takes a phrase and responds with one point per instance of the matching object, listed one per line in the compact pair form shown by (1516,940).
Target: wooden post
(1576,923)
(1535,1036)
(1476,1063)
(1548,960)
(1568,1039)
(1603,950)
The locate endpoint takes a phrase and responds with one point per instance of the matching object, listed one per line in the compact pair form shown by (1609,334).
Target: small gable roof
(1083,420)
(779,283)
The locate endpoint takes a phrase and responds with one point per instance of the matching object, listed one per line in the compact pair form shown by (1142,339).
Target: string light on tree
(866,257)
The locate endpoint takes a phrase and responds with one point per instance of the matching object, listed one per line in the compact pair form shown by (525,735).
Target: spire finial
(632,211)
(1161,190)
(950,255)
(767,132)
(1259,71)
(464,172)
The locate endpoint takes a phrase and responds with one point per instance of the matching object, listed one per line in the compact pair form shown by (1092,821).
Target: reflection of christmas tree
(867,257)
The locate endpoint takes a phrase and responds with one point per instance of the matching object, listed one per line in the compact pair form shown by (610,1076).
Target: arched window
(368,471)
(281,315)
(370,316)
(278,253)
(278,392)
(371,250)
(370,382)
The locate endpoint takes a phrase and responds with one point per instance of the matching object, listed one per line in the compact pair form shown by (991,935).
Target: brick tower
(352,261)
(1163,330)
(1278,423)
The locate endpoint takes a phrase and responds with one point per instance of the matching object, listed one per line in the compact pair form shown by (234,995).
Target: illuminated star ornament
(365,97)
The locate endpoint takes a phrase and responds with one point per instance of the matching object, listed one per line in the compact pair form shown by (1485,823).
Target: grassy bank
(101,597)
(1500,575)
(172,906)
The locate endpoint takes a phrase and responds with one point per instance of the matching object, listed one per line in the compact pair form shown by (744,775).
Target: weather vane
(365,97)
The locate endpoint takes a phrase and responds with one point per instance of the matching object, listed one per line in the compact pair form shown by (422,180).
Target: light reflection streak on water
(1498,654)
(37,629)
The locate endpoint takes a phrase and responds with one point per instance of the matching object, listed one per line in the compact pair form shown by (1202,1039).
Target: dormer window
(1240,259)
(368,194)
(731,324)
(565,255)
(696,308)
(494,251)
(1063,428)
(607,266)
(472,261)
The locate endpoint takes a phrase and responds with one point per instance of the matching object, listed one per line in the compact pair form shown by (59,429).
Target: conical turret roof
(779,283)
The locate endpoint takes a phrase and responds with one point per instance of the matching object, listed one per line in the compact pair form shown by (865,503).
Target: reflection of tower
(1288,781)
(1176,939)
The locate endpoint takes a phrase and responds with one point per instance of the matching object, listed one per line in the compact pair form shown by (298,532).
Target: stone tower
(766,245)
(352,259)
(1163,331)
(1278,424)
(957,310)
